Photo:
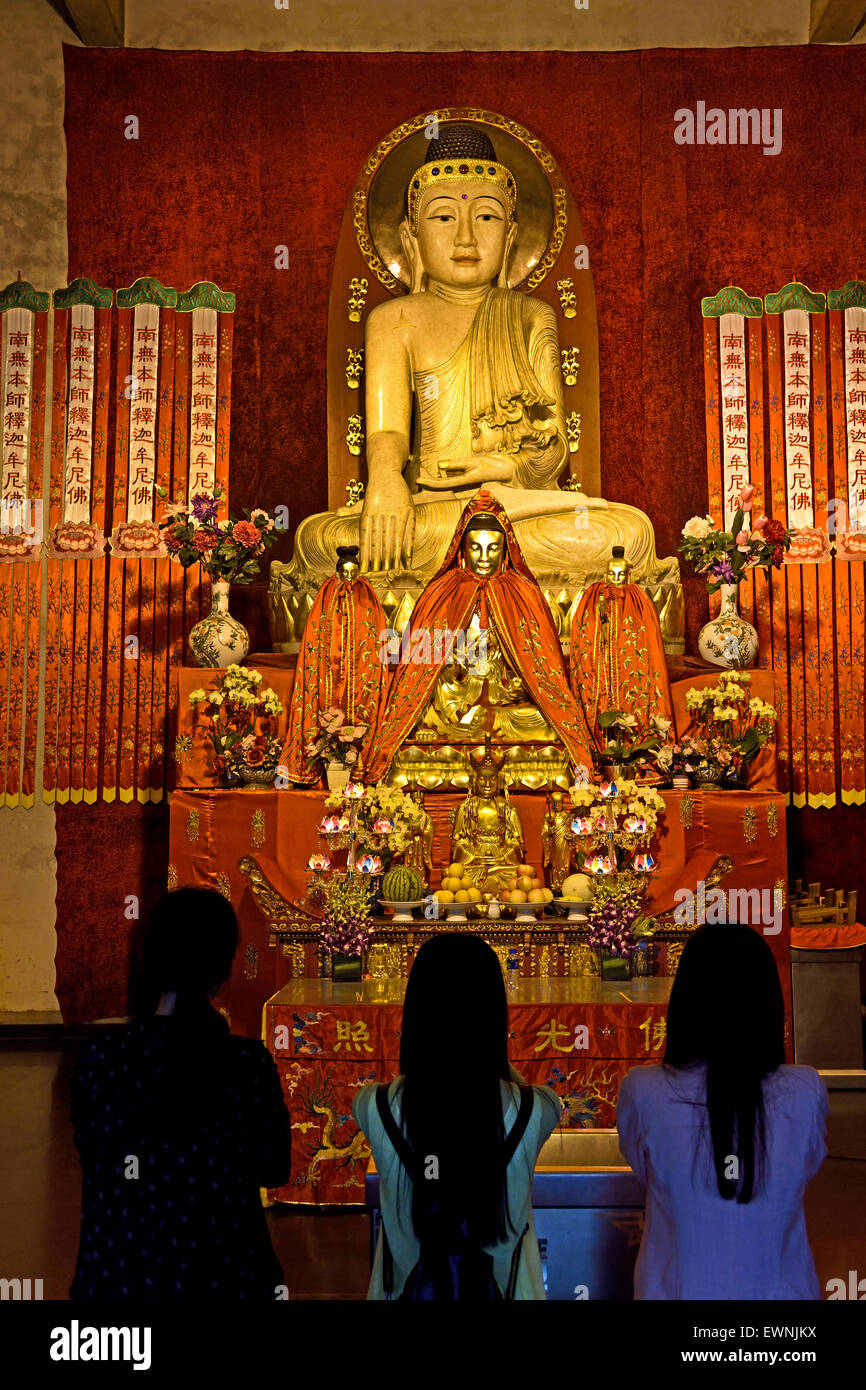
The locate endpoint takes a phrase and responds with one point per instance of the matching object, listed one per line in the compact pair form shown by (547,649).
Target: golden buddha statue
(557,840)
(463,392)
(510,684)
(419,855)
(488,834)
(482,692)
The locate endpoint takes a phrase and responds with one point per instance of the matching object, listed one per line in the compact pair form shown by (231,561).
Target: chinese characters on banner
(796,334)
(735,410)
(143,393)
(23,313)
(79,414)
(18,333)
(203,402)
(855,419)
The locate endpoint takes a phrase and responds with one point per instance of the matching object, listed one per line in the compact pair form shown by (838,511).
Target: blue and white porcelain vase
(219,639)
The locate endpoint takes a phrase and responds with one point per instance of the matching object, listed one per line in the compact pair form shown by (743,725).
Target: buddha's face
(486,783)
(463,233)
(348,569)
(483,552)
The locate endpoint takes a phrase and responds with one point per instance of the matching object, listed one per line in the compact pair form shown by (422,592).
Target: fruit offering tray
(525,887)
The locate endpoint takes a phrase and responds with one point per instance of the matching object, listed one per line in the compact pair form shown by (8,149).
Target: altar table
(330,1039)
(212,832)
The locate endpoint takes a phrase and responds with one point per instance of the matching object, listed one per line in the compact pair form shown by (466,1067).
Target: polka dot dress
(176,1136)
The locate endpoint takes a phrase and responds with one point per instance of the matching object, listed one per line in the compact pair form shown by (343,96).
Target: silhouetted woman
(455,1104)
(178,1125)
(725,1134)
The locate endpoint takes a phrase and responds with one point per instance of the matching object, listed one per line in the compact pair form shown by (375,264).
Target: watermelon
(402,885)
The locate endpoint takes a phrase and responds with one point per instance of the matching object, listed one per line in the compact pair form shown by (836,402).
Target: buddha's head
(460,212)
(482,551)
(348,562)
(486,781)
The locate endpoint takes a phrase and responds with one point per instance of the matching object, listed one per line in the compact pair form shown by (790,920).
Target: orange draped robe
(618,657)
(338,664)
(510,599)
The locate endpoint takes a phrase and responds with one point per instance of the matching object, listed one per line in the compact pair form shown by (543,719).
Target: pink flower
(759,522)
(745,498)
(204,541)
(245,533)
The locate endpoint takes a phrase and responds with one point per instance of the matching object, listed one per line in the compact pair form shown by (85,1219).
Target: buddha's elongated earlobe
(414,264)
(502,277)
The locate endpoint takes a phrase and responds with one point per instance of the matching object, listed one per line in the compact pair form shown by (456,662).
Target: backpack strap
(404,1153)
(527,1100)
(392,1129)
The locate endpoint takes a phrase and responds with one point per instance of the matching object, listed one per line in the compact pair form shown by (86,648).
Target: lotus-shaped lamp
(369,864)
(600,864)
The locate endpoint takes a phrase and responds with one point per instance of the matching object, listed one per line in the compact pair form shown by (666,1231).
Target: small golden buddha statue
(557,840)
(464,391)
(419,855)
(488,834)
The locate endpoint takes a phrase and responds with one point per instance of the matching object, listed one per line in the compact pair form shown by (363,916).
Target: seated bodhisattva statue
(488,834)
(464,392)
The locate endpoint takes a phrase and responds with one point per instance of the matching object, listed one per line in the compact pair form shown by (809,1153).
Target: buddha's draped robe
(618,657)
(490,396)
(338,665)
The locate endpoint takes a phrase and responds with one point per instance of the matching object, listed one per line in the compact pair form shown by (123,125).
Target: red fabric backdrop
(239,153)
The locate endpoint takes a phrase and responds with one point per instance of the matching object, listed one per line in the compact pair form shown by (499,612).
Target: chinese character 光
(551,1037)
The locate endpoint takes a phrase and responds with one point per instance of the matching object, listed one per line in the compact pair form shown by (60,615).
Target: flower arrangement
(724,556)
(617,818)
(337,741)
(238,714)
(346,924)
(682,757)
(253,753)
(386,819)
(227,549)
(613,915)
(628,740)
(733,724)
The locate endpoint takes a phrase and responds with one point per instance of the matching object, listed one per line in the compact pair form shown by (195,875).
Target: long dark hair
(726,1010)
(453,1056)
(187,948)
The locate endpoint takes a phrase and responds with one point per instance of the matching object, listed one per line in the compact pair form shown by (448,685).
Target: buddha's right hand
(387,524)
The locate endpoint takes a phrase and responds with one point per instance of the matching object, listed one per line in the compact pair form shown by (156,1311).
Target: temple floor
(324,1252)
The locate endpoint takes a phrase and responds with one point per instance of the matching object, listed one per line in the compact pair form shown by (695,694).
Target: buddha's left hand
(480,468)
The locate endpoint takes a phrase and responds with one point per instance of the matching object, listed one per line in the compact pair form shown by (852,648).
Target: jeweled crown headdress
(488,759)
(460,154)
